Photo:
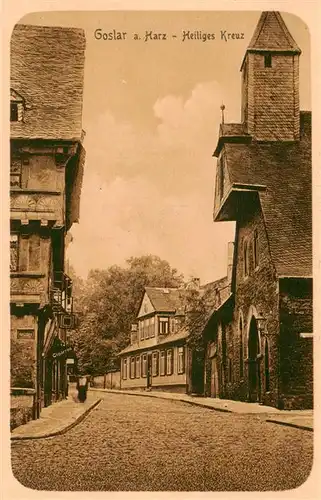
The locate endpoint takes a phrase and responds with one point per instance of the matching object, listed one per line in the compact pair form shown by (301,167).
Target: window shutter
(157,363)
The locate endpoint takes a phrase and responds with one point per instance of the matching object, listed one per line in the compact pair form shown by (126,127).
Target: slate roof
(166,299)
(232,129)
(47,70)
(271,34)
(285,169)
(231,132)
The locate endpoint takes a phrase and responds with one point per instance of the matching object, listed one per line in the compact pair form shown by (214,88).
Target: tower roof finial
(222,107)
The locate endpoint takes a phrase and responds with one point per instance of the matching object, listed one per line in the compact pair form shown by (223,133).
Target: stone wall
(296,351)
(21,406)
(256,293)
(110,380)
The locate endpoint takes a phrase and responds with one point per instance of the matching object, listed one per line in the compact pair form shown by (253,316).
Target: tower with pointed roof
(264,352)
(270,78)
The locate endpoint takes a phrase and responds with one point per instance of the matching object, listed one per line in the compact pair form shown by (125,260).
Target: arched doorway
(254,363)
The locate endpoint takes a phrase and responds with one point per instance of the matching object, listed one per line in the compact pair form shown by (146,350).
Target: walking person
(82,387)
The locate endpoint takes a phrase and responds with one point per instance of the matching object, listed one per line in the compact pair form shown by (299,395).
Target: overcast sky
(151,115)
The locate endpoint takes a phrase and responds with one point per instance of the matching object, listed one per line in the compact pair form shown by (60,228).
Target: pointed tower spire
(271,34)
(270,93)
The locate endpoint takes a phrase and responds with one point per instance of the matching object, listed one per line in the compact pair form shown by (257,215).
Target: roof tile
(47,70)
(285,169)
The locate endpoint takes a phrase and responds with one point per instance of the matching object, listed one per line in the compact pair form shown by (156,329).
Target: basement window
(268,61)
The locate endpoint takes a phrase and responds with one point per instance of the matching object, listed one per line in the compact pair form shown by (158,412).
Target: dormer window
(17,106)
(13,112)
(268,61)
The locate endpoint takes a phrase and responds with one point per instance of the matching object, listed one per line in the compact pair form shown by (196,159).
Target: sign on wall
(25,334)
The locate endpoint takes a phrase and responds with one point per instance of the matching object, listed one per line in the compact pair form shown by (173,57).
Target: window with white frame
(141,329)
(146,328)
(124,368)
(169,361)
(144,365)
(137,366)
(152,327)
(155,364)
(163,326)
(132,367)
(162,363)
(181,360)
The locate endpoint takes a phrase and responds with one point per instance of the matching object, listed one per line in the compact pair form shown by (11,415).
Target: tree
(109,301)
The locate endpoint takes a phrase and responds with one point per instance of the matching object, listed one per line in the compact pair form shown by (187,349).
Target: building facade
(158,356)
(262,337)
(46,169)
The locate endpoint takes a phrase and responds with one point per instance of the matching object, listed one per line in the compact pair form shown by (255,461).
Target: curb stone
(204,405)
(290,424)
(60,431)
(159,396)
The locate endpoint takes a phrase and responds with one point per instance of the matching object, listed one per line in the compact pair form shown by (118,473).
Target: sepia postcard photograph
(161,262)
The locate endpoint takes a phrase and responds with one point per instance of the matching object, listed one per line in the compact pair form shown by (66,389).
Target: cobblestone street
(131,443)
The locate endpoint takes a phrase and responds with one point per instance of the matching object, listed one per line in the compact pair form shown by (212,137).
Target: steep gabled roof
(166,299)
(47,70)
(285,169)
(271,34)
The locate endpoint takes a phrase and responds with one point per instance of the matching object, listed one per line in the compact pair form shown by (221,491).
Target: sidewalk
(57,418)
(302,419)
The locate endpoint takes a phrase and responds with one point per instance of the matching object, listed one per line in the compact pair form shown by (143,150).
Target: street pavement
(58,417)
(295,418)
(139,443)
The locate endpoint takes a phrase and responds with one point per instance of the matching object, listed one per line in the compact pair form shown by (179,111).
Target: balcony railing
(61,293)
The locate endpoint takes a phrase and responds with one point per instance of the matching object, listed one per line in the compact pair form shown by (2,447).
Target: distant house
(157,356)
(161,354)
(259,344)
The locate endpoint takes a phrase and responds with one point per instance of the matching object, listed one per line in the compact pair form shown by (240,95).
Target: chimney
(194,284)
(133,333)
(230,253)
